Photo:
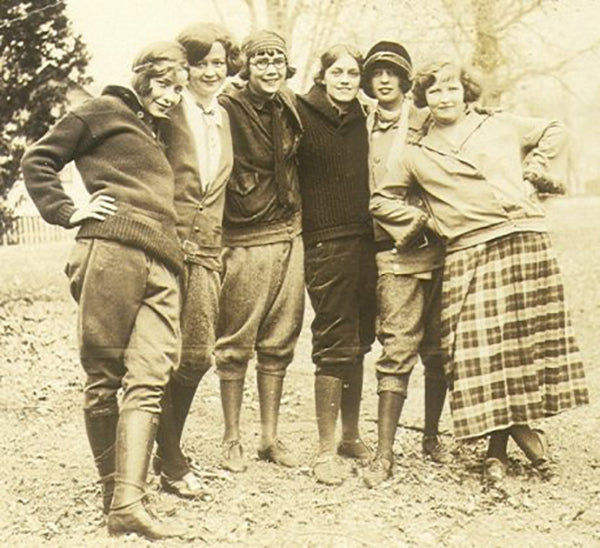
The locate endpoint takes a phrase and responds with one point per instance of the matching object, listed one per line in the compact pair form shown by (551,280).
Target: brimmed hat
(391,53)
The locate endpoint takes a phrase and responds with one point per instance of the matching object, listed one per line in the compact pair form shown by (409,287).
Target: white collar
(194,107)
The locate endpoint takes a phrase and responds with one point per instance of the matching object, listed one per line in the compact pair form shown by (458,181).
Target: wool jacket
(111,139)
(333,169)
(477,191)
(199,212)
(387,139)
(254,214)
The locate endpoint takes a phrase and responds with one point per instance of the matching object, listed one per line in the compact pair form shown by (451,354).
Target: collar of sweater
(317,99)
(131,100)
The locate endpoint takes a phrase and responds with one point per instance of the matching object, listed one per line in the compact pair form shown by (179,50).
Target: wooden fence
(34,230)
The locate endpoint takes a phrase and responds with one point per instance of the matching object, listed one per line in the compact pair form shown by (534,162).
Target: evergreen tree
(40,58)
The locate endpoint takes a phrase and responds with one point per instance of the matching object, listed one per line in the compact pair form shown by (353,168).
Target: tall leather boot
(101,431)
(435,396)
(136,432)
(176,475)
(496,461)
(272,449)
(176,403)
(328,397)
(388,414)
(352,445)
(232,394)
(532,442)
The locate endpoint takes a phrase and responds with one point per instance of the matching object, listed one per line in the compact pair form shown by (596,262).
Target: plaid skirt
(510,353)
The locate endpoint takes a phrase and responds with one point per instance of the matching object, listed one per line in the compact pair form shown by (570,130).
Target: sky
(115,30)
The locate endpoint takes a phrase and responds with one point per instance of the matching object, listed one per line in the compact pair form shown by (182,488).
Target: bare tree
(501,37)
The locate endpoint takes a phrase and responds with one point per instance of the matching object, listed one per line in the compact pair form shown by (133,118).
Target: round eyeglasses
(263,63)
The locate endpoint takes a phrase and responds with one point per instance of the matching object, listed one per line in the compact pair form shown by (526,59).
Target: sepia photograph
(305,273)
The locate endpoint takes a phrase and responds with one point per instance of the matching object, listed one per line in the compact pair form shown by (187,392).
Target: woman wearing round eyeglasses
(340,266)
(262,294)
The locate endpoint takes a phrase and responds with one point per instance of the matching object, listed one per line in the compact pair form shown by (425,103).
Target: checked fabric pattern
(511,356)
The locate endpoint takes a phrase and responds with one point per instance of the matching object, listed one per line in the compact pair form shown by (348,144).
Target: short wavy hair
(331,55)
(197,40)
(158,60)
(429,75)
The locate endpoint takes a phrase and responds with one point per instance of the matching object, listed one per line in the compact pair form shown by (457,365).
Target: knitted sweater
(333,169)
(112,142)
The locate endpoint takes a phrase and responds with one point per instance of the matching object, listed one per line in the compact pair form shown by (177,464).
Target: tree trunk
(487,56)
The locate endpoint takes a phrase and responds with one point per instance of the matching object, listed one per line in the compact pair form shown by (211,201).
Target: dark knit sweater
(112,142)
(333,169)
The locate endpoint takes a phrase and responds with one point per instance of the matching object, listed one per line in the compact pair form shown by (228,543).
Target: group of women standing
(416,226)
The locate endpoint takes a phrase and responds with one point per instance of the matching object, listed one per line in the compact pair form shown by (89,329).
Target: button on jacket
(474,192)
(199,210)
(387,141)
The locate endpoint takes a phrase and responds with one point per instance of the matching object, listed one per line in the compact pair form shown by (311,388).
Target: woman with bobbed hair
(199,148)
(339,262)
(199,38)
(122,270)
(509,350)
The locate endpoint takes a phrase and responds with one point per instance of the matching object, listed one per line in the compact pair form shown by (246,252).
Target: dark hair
(427,76)
(244,73)
(367,78)
(331,55)
(198,39)
(157,60)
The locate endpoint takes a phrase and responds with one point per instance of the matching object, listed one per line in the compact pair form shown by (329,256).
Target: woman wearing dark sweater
(122,270)
(339,252)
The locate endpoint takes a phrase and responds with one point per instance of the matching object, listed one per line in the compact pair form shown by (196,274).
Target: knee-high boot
(351,445)
(232,394)
(435,397)
(388,414)
(176,404)
(270,388)
(136,432)
(328,397)
(101,431)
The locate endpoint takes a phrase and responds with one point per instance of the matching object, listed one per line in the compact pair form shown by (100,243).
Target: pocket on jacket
(250,195)
(245,183)
(76,266)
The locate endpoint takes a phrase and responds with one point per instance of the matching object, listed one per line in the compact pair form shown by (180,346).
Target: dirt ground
(47,480)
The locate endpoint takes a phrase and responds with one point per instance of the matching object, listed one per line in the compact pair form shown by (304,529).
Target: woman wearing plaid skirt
(510,353)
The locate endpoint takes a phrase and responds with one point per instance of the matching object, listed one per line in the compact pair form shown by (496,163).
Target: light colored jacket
(477,191)
(387,141)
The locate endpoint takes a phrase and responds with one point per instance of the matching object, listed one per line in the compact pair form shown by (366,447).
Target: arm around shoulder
(389,205)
